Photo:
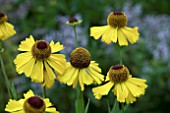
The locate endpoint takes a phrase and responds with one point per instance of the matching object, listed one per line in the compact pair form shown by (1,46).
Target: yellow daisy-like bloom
(38,59)
(126,87)
(116,30)
(30,104)
(6,29)
(81,70)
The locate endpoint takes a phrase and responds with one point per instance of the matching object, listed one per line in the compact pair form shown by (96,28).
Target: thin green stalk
(6,77)
(87,106)
(79,101)
(44,92)
(75,35)
(119,53)
(115,106)
(122,106)
(108,106)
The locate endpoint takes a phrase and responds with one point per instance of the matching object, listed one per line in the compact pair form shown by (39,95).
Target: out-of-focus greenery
(39,18)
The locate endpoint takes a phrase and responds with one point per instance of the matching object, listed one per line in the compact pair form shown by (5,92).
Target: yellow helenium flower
(81,70)
(126,88)
(37,60)
(6,29)
(30,104)
(116,30)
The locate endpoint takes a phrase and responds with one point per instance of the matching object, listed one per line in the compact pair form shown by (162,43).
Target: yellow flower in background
(81,70)
(38,59)
(30,104)
(6,29)
(126,87)
(116,30)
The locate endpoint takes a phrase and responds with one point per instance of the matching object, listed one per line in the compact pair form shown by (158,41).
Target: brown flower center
(117,19)
(118,74)
(41,50)
(80,58)
(3,18)
(72,20)
(34,104)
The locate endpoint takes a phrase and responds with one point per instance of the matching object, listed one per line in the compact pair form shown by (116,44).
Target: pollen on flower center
(41,50)
(118,73)
(117,19)
(34,104)
(80,58)
(3,17)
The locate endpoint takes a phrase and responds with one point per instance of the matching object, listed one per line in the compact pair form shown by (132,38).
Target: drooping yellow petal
(122,38)
(49,76)
(138,82)
(95,66)
(56,65)
(37,72)
(47,102)
(98,78)
(13,106)
(23,61)
(51,110)
(125,90)
(84,78)
(130,98)
(28,94)
(107,77)
(58,62)
(120,95)
(134,89)
(56,47)
(27,44)
(97,32)
(102,90)
(74,76)
(131,34)
(110,35)
(6,30)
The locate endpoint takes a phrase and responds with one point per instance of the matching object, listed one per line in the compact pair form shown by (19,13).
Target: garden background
(149,58)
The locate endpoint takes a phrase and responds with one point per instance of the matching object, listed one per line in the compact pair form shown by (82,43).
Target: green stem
(115,106)
(119,53)
(44,92)
(79,101)
(75,35)
(122,106)
(5,76)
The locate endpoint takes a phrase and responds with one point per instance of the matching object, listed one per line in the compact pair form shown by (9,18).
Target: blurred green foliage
(39,17)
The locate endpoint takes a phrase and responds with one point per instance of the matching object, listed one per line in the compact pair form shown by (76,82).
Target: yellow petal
(97,32)
(24,63)
(97,77)
(28,94)
(95,67)
(47,102)
(84,78)
(119,92)
(56,47)
(37,72)
(102,90)
(130,98)
(138,82)
(134,89)
(122,38)
(56,65)
(67,74)
(51,110)
(110,35)
(74,76)
(107,77)
(125,90)
(60,62)
(131,34)
(13,106)
(27,44)
(7,30)
(21,111)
